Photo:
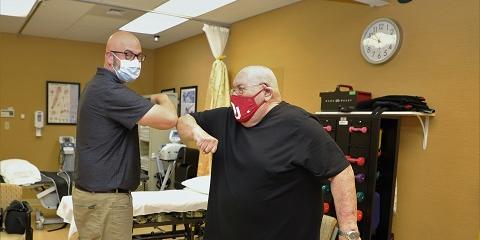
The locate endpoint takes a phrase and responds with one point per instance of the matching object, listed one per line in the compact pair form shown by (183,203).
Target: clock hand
(370,42)
(377,37)
(378,42)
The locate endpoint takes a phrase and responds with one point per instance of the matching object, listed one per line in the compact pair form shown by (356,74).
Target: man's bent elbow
(183,121)
(171,120)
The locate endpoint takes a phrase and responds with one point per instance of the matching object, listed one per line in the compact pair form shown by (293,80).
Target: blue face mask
(129,69)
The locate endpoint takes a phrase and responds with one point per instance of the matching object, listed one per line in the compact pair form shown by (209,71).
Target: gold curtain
(217,96)
(218,84)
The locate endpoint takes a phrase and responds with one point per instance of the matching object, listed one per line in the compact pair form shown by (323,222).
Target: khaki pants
(103,216)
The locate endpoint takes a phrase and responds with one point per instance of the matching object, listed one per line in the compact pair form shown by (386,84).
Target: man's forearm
(345,199)
(189,130)
(185,126)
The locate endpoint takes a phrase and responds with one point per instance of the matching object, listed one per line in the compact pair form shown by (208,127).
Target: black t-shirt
(266,180)
(107,154)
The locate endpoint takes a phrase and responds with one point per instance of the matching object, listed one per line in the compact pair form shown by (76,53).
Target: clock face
(380,41)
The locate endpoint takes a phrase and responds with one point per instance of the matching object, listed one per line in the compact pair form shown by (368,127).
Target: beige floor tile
(39,234)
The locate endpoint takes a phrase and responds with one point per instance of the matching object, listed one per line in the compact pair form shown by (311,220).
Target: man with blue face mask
(107,167)
(269,161)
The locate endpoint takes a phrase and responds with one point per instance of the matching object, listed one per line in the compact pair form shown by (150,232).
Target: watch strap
(348,234)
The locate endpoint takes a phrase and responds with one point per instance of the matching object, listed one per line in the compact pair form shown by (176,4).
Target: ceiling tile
(10,24)
(136,4)
(55,16)
(93,28)
(81,21)
(178,33)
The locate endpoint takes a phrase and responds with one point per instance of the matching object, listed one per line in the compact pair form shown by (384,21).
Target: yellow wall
(26,63)
(314,45)
(186,63)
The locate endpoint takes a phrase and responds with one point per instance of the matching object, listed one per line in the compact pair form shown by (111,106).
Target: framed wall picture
(62,102)
(171,90)
(188,100)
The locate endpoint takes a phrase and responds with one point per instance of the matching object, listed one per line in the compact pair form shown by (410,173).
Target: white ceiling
(88,20)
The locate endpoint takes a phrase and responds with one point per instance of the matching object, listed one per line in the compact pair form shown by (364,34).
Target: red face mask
(244,107)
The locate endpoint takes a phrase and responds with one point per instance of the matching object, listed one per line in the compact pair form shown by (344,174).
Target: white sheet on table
(19,172)
(168,201)
(147,202)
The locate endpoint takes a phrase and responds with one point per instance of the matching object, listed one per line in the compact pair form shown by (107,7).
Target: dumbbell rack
(370,143)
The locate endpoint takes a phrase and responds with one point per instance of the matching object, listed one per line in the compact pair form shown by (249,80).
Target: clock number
(381,26)
(391,31)
(368,49)
(390,46)
(379,56)
(385,52)
(375,29)
(373,53)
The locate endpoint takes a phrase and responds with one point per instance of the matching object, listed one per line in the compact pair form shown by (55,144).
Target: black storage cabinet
(371,145)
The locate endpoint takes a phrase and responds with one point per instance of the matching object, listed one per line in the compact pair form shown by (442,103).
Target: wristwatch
(350,235)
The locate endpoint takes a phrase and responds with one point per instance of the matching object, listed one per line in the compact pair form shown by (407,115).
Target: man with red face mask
(269,161)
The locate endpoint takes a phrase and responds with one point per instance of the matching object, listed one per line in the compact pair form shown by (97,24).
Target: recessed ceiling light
(16,8)
(157,20)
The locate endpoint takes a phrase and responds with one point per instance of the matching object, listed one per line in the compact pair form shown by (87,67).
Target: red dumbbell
(360,161)
(326,207)
(352,129)
(359,215)
(327,128)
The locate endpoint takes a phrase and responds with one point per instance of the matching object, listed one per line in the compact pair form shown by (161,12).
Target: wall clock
(380,40)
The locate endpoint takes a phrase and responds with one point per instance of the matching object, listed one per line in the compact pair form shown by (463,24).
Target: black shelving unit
(371,145)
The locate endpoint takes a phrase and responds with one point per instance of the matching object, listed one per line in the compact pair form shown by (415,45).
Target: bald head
(120,42)
(257,75)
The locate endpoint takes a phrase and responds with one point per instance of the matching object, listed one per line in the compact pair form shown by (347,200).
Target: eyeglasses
(129,55)
(239,90)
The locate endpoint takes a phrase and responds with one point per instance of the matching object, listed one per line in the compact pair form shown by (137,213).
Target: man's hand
(189,130)
(205,142)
